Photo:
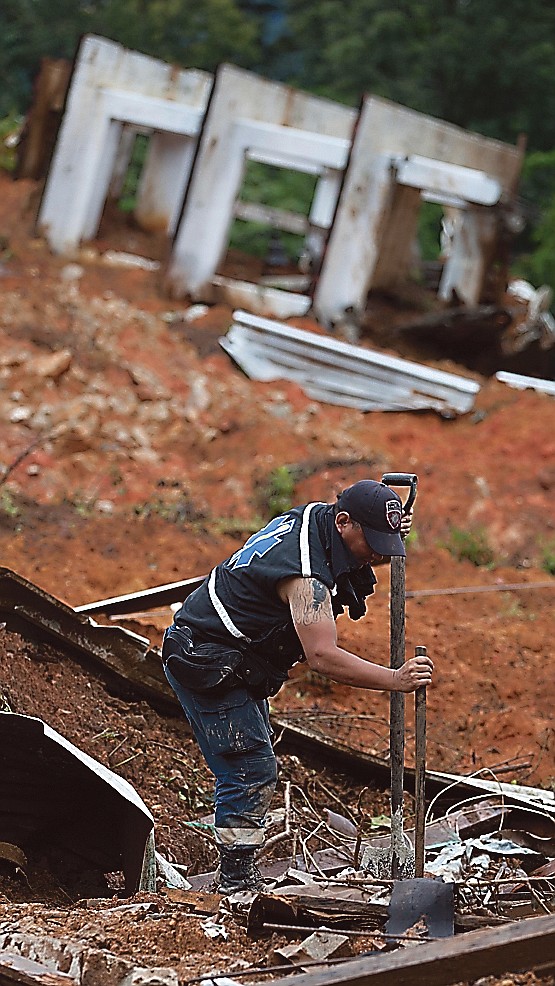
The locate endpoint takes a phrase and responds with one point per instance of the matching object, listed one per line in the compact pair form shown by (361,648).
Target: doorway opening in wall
(270,232)
(119,228)
(430,244)
(124,187)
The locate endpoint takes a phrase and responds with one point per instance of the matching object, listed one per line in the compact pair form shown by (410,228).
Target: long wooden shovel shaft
(420,775)
(397,712)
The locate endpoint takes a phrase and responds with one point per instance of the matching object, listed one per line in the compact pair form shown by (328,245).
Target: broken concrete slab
(318,945)
(30,956)
(25,972)
(370,243)
(252,118)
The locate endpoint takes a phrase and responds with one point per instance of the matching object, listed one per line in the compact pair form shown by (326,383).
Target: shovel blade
(422,904)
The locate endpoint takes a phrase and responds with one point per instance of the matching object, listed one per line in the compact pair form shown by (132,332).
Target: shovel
(415,901)
(423,904)
(397,860)
(402,856)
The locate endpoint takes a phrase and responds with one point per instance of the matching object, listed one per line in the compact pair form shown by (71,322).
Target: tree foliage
(482,64)
(200,35)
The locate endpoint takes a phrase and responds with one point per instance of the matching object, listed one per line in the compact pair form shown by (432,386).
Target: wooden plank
(41,125)
(25,972)
(159,595)
(524,945)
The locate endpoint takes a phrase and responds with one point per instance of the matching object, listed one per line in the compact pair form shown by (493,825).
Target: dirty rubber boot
(238,870)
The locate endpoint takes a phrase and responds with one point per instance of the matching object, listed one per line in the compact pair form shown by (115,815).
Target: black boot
(238,870)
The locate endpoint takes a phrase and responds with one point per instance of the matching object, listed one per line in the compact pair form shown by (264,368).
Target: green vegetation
(548,558)
(8,126)
(179,511)
(471,546)
(279,491)
(179,31)
(280,189)
(536,260)
(8,504)
(127,199)
(429,228)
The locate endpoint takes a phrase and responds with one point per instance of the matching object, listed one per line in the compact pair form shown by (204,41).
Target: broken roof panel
(54,794)
(124,655)
(337,372)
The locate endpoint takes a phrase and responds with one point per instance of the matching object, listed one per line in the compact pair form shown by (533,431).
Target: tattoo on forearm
(311,602)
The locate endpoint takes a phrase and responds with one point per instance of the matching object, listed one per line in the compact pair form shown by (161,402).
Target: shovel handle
(420,773)
(403,479)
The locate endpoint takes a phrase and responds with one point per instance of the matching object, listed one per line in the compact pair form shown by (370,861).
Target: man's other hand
(413,674)
(406,524)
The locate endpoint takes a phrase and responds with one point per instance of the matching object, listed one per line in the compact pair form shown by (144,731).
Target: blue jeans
(234,734)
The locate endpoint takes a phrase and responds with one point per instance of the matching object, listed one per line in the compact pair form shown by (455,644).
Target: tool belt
(210,668)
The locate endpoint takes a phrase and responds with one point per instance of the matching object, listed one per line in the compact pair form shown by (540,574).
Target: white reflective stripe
(221,610)
(303,539)
(239,837)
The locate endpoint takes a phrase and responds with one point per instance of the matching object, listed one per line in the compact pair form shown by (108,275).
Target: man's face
(353,537)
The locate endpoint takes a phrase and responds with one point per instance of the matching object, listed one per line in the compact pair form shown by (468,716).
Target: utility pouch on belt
(215,668)
(202,668)
(261,678)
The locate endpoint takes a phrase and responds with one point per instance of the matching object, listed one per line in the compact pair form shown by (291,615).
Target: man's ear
(342,519)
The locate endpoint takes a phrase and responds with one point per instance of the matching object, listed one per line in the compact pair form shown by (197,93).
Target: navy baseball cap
(378,510)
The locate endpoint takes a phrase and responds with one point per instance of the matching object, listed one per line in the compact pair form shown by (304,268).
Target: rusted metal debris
(125,657)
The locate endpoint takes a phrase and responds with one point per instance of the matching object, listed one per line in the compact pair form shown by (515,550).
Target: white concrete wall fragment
(111,86)
(248,117)
(368,212)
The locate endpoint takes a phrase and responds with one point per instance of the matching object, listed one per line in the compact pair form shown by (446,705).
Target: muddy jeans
(235,737)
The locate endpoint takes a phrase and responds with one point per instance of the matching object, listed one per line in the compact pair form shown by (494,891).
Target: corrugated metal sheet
(56,796)
(336,372)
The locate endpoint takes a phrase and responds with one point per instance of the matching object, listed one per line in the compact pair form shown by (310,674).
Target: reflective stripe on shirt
(222,611)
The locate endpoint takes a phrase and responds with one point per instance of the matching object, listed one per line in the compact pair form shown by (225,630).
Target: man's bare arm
(311,610)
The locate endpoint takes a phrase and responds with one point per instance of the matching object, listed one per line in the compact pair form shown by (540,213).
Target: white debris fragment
(195,311)
(72,272)
(214,929)
(171,876)
(118,259)
(519,382)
